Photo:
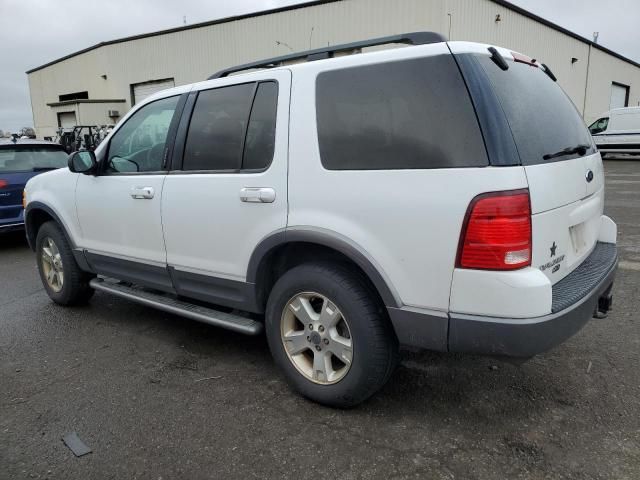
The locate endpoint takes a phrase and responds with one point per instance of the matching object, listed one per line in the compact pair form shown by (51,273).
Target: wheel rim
(52,265)
(316,338)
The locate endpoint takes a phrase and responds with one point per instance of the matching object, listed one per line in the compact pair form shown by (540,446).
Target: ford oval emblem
(589,176)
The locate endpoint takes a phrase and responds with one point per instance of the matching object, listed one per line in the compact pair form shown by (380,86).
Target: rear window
(409,114)
(25,159)
(542,118)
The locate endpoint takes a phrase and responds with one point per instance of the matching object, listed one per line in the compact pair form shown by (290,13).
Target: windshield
(545,124)
(25,159)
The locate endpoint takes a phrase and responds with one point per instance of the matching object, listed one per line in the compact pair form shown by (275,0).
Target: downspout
(586,84)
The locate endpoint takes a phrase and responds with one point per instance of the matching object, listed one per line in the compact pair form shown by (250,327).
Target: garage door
(67,119)
(619,96)
(143,90)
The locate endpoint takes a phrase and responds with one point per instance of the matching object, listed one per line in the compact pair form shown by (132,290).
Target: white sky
(34,32)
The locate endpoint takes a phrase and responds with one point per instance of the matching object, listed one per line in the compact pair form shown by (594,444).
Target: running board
(169,304)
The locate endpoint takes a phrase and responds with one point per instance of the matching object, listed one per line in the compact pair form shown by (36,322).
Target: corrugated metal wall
(191,55)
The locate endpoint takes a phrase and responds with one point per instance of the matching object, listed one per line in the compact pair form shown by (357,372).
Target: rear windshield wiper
(579,149)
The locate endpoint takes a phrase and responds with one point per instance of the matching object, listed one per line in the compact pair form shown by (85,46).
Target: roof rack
(413,38)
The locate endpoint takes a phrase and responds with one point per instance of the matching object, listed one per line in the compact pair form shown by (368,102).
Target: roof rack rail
(413,38)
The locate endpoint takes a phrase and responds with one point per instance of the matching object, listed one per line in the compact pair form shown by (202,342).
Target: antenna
(595,37)
(184,19)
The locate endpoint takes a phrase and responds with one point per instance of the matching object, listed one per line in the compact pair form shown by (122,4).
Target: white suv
(446,196)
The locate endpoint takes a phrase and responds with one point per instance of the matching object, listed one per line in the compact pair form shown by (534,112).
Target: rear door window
(409,114)
(217,128)
(261,132)
(233,128)
(542,118)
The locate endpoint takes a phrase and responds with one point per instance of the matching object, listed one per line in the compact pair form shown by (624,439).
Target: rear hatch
(563,168)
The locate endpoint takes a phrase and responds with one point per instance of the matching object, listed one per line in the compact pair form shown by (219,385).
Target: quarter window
(138,146)
(397,115)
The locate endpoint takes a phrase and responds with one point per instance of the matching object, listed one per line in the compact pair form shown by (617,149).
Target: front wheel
(61,276)
(329,334)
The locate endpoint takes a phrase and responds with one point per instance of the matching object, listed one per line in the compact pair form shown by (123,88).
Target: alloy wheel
(52,265)
(316,338)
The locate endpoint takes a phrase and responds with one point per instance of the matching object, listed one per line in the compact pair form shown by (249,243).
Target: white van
(618,131)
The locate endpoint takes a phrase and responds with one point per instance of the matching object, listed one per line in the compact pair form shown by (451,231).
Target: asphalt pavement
(156,396)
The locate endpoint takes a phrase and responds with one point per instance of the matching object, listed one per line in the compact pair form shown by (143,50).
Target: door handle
(257,195)
(140,193)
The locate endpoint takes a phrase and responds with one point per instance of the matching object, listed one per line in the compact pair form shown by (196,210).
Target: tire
(339,292)
(54,256)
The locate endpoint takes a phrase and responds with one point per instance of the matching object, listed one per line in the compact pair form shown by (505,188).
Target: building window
(74,96)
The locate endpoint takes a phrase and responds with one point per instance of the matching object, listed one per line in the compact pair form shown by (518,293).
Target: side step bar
(169,304)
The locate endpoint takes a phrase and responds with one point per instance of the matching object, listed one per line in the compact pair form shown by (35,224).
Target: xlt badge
(555,263)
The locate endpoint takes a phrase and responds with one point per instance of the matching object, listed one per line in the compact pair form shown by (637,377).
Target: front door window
(139,145)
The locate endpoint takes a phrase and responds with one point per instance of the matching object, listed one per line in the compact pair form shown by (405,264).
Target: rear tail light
(496,234)
(3,183)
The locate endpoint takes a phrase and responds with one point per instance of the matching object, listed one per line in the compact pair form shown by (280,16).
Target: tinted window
(397,115)
(138,146)
(260,142)
(542,118)
(216,132)
(28,159)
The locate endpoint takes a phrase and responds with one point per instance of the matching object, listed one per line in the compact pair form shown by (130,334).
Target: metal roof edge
(183,28)
(503,3)
(555,26)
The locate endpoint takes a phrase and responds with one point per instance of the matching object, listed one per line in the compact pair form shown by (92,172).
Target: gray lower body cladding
(576,299)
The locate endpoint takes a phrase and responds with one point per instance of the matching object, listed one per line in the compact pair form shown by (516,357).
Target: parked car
(21,160)
(445,196)
(618,131)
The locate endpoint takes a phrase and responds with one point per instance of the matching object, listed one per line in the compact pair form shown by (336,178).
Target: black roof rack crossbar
(414,38)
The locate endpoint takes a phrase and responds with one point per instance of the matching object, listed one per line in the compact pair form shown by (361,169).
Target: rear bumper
(576,299)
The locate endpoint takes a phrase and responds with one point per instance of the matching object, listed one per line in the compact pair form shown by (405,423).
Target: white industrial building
(99,84)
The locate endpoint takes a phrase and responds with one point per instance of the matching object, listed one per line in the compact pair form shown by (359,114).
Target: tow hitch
(605,302)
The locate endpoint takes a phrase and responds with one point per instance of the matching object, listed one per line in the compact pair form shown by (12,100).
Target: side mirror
(83,161)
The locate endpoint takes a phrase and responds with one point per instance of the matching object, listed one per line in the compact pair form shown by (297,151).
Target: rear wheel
(63,280)
(329,334)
